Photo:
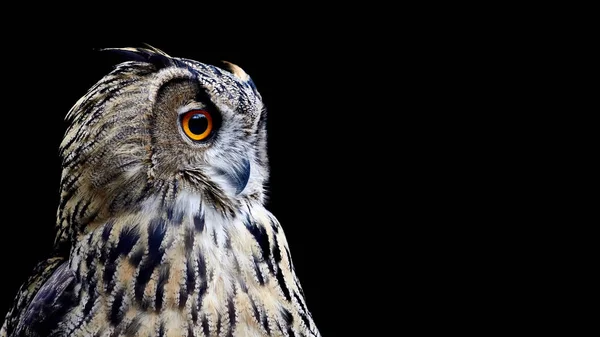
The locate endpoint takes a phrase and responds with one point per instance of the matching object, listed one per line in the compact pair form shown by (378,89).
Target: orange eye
(197,124)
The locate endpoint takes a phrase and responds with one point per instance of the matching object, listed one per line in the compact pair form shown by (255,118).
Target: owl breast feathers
(161,226)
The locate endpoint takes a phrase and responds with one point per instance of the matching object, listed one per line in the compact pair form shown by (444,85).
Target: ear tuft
(148,55)
(236,71)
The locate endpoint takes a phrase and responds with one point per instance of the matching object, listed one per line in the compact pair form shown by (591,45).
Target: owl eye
(197,124)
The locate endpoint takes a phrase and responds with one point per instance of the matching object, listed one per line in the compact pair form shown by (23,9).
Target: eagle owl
(161,225)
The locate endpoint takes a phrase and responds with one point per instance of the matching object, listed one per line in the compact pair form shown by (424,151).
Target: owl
(161,224)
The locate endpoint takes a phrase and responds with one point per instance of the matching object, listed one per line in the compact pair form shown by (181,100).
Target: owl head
(157,129)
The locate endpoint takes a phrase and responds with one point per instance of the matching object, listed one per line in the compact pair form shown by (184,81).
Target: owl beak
(242,176)
(238,175)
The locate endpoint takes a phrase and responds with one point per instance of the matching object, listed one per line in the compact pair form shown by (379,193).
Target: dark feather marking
(243,286)
(279,326)
(190,283)
(202,278)
(116,314)
(183,296)
(189,237)
(91,254)
(123,166)
(255,310)
(137,256)
(260,235)
(161,330)
(78,277)
(107,229)
(74,211)
(199,221)
(170,211)
(201,267)
(218,324)
(84,209)
(102,257)
(175,187)
(175,217)
(109,272)
(205,325)
(92,297)
(257,271)
(127,239)
(156,233)
(276,252)
(290,332)
(287,316)
(195,313)
(299,301)
(228,242)
(231,311)
(305,319)
(265,323)
(282,284)
(145,303)
(202,286)
(163,277)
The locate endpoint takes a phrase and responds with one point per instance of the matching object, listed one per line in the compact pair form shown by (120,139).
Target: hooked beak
(238,175)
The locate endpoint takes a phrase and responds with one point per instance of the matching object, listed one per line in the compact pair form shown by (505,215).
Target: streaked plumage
(159,234)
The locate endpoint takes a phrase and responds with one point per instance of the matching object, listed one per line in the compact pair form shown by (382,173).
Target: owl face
(157,128)
(207,133)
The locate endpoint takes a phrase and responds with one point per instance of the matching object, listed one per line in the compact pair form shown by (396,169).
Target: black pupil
(198,124)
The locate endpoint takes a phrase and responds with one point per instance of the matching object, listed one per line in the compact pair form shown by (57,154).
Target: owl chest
(188,284)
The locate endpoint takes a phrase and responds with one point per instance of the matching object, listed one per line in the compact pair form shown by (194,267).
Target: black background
(322,127)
